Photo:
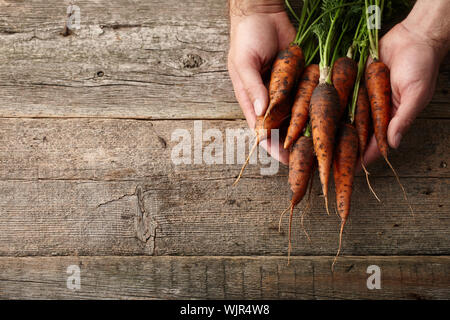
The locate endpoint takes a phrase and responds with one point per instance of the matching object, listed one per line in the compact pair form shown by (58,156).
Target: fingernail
(397,140)
(259,108)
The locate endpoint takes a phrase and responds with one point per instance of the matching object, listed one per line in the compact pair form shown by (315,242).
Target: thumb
(409,108)
(250,75)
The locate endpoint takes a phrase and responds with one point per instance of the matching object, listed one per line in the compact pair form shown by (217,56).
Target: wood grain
(115,150)
(416,277)
(130,59)
(192,217)
(86,175)
(109,187)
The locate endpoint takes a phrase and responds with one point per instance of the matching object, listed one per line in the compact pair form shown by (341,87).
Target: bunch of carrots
(333,98)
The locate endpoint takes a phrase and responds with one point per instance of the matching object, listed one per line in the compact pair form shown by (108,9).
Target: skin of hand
(258,31)
(413,50)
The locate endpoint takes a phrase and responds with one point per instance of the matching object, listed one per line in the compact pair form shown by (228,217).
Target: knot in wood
(191,61)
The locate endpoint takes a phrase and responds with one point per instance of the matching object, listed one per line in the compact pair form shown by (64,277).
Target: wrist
(248,7)
(429,21)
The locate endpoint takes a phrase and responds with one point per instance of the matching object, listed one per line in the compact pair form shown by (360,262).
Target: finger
(372,152)
(369,61)
(241,96)
(410,106)
(249,71)
(278,153)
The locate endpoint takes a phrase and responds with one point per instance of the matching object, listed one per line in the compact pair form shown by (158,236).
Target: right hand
(255,39)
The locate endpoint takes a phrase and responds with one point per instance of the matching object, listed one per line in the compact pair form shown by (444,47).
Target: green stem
(377,48)
(336,47)
(361,68)
(312,56)
(357,33)
(301,37)
(327,46)
(321,52)
(303,15)
(288,5)
(313,9)
(308,130)
(372,50)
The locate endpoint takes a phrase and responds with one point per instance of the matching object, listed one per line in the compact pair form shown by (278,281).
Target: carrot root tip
(290,232)
(246,162)
(343,221)
(401,185)
(326,204)
(302,222)
(281,218)
(368,181)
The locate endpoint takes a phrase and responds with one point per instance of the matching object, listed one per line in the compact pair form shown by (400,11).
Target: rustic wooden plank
(158,60)
(87,149)
(416,277)
(192,217)
(107,187)
(130,59)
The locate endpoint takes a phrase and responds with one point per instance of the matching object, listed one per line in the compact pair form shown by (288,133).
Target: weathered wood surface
(102,187)
(109,187)
(416,277)
(160,60)
(87,149)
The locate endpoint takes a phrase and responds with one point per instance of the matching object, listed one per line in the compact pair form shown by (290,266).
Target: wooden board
(416,277)
(115,150)
(109,187)
(87,178)
(156,60)
(193,218)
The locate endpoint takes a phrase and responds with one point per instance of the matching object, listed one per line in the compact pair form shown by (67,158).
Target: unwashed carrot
(286,69)
(301,163)
(362,119)
(324,112)
(344,76)
(362,124)
(300,109)
(379,89)
(263,129)
(344,164)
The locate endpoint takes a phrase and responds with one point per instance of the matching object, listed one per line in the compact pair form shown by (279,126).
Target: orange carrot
(301,163)
(362,124)
(324,112)
(300,108)
(344,164)
(343,77)
(286,69)
(263,128)
(379,89)
(362,119)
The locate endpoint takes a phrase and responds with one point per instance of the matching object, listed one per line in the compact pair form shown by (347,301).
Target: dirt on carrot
(301,164)
(379,89)
(324,112)
(343,77)
(286,69)
(344,164)
(363,123)
(300,109)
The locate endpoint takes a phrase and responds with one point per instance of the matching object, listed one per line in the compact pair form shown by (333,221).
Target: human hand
(413,57)
(255,39)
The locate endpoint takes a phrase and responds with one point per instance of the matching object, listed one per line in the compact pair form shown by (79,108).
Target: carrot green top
(330,31)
